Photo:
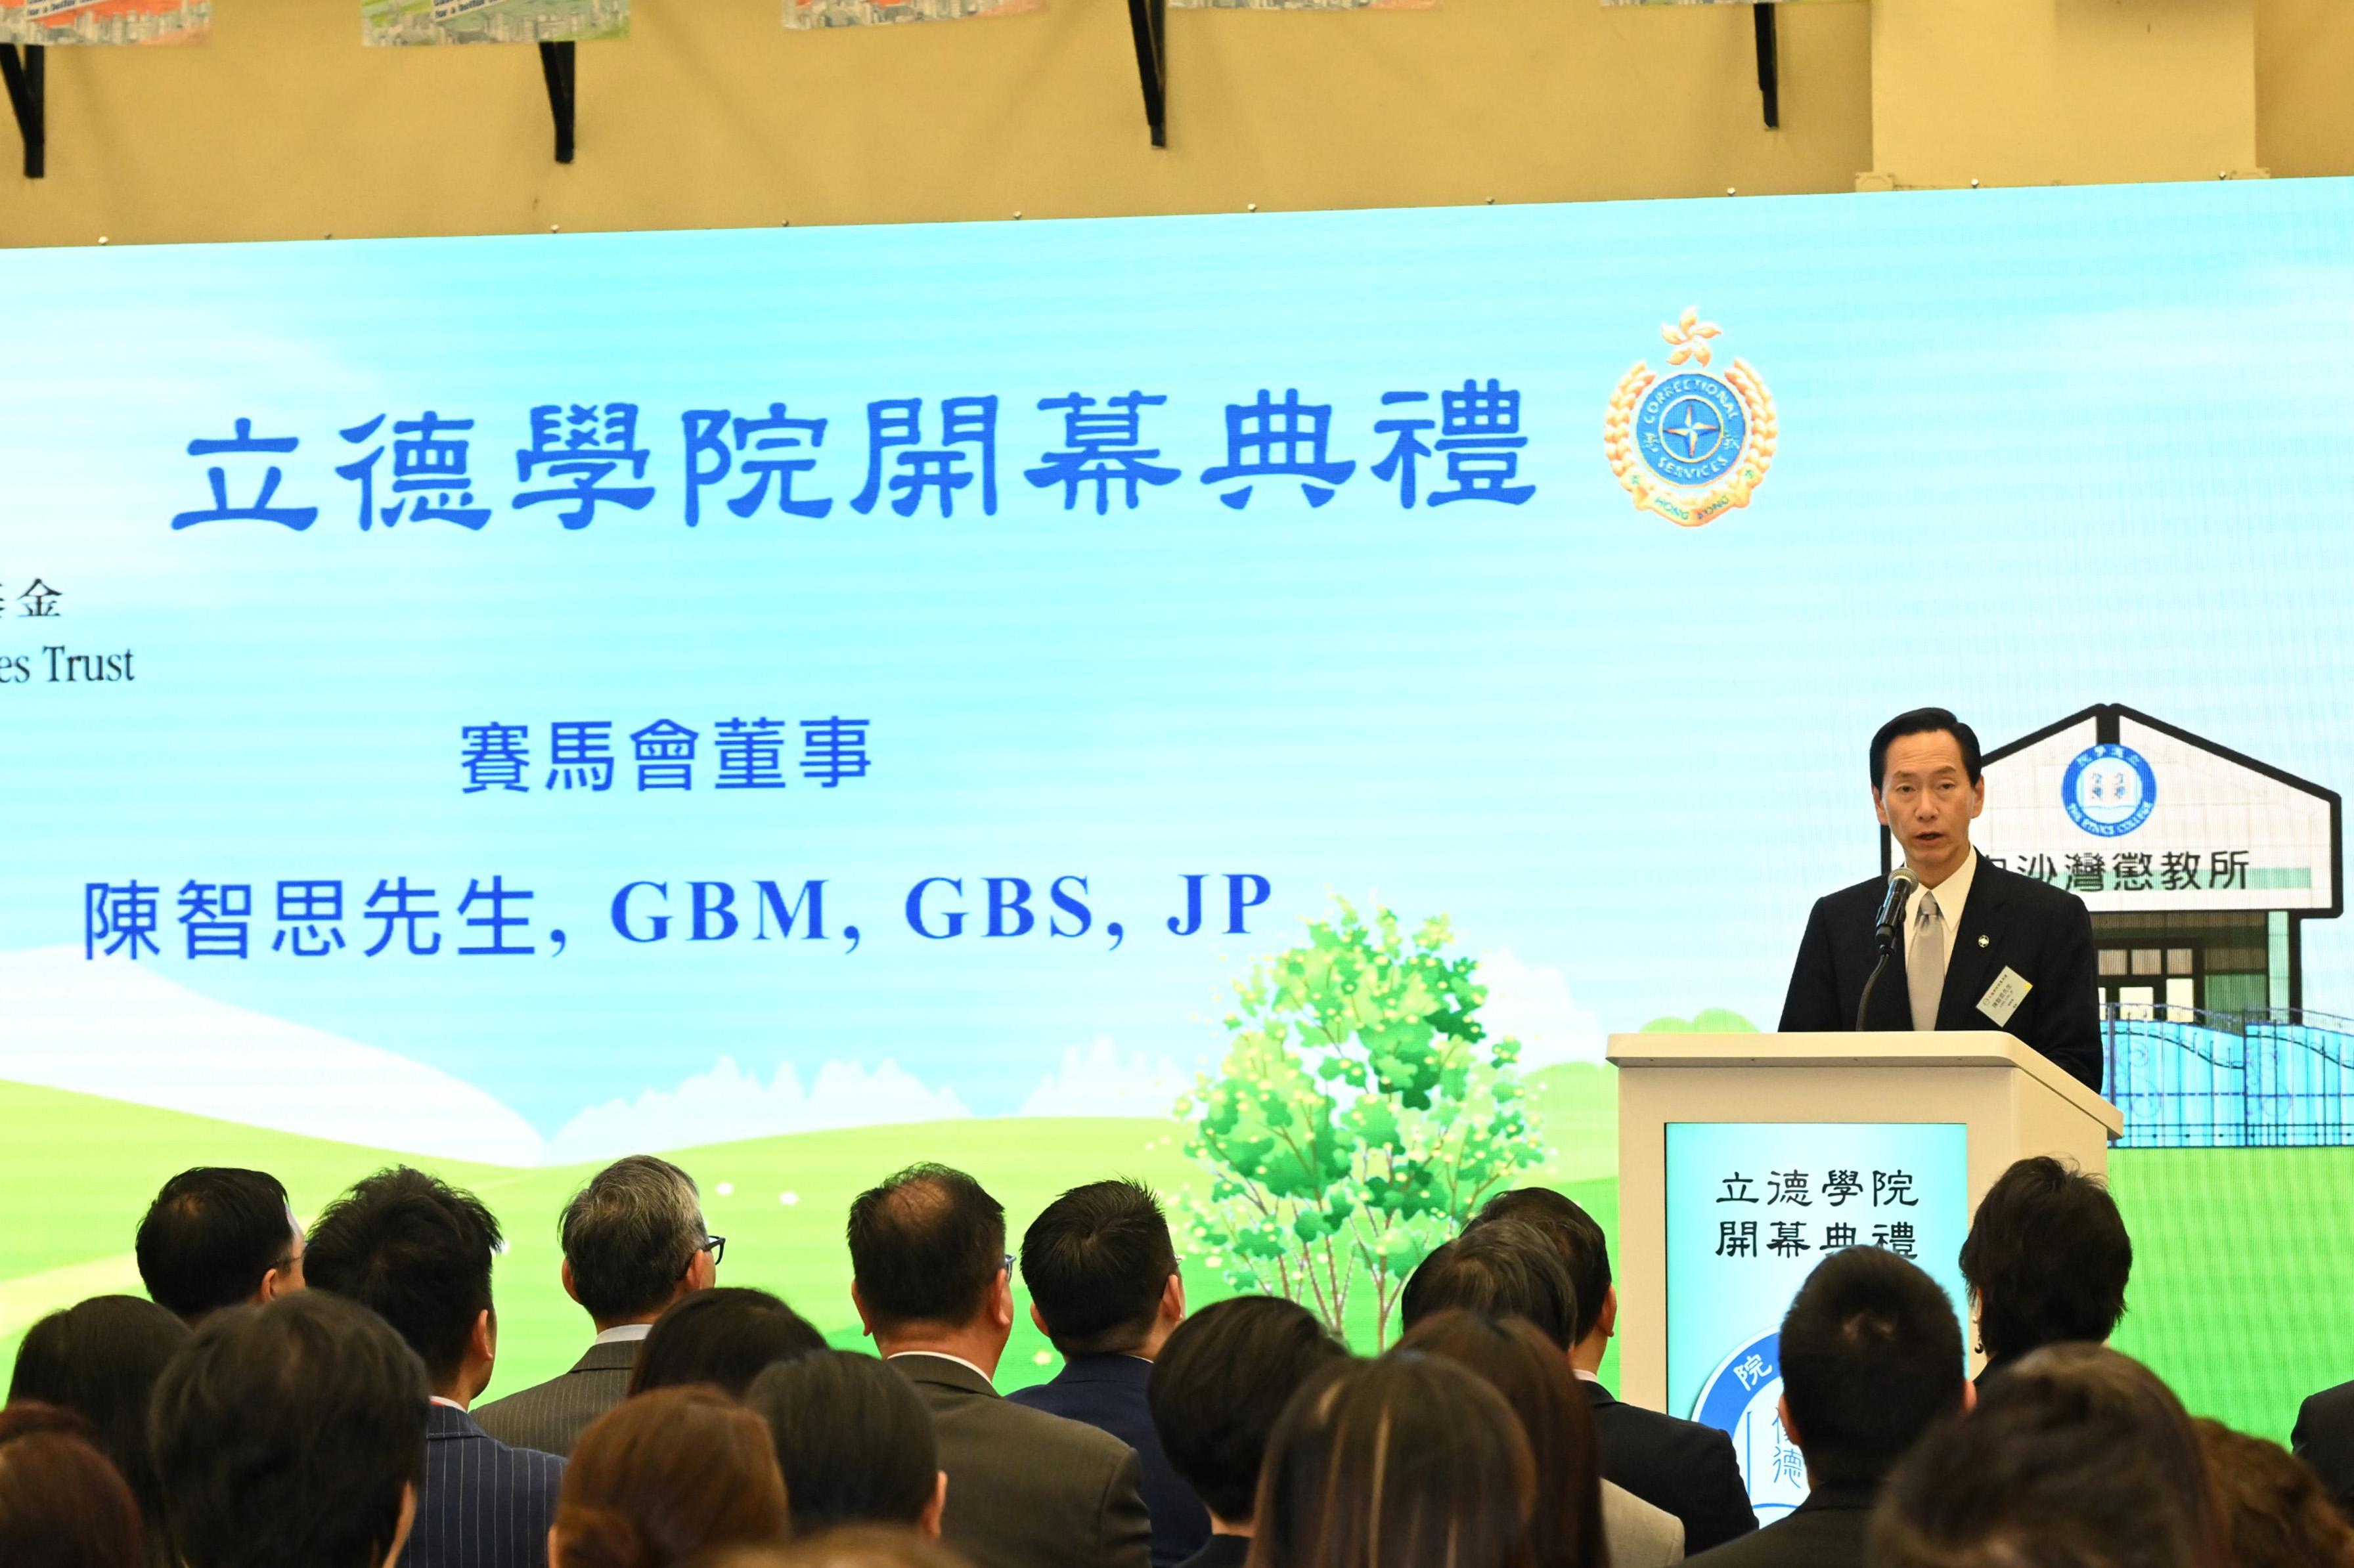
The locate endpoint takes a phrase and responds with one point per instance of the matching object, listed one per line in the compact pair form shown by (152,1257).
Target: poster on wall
(402,22)
(105,21)
(812,14)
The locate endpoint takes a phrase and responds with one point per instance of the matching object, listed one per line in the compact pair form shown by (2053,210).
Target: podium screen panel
(1751,1208)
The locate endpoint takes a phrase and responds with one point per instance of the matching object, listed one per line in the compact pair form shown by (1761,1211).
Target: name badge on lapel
(2002,998)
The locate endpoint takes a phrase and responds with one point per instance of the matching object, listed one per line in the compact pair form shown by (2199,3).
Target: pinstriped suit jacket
(484,1505)
(551,1415)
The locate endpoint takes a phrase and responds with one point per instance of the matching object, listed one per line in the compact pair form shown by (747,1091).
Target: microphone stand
(1863,1004)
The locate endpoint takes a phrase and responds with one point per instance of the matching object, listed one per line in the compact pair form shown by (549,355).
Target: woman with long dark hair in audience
(664,1476)
(1574,1523)
(1408,1462)
(2075,1457)
(2276,1512)
(62,1502)
(100,1358)
(723,1337)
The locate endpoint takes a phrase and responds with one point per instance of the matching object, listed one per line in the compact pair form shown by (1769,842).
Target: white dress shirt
(943,1355)
(1953,893)
(621,1333)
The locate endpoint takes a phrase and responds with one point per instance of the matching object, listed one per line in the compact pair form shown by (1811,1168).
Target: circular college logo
(2109,791)
(1743,1397)
(1691,444)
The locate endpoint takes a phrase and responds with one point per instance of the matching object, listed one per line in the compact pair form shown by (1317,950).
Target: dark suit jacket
(1220,1551)
(2324,1438)
(1680,1466)
(2010,922)
(551,1415)
(1027,1489)
(1107,1393)
(484,1505)
(1824,1531)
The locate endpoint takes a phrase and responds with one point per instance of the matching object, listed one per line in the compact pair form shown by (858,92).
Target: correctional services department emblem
(1693,443)
(2109,791)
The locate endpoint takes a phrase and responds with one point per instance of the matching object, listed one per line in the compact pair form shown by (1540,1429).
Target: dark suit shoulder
(1812,1537)
(1687,1467)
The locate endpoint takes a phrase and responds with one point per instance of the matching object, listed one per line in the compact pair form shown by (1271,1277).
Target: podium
(1743,1158)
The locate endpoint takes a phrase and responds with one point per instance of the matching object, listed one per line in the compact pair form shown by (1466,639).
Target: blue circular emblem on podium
(1690,429)
(1742,1398)
(2109,791)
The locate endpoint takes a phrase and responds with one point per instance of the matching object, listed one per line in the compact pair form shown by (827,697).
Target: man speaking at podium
(1957,942)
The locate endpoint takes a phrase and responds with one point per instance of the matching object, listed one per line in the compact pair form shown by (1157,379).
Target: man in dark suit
(1026,1489)
(633,1242)
(1104,1290)
(1871,1358)
(1684,1466)
(2324,1438)
(1216,1390)
(418,1253)
(1979,947)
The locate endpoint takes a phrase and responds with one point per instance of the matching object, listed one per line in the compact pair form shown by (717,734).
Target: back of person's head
(850,1546)
(290,1436)
(100,1358)
(1221,1382)
(628,1235)
(925,1246)
(660,1478)
(1408,1462)
(2276,1513)
(2077,1458)
(2047,1259)
(1502,1269)
(1098,1263)
(62,1503)
(1871,1358)
(211,1237)
(415,1251)
(853,1439)
(1576,1238)
(723,1337)
(1511,1356)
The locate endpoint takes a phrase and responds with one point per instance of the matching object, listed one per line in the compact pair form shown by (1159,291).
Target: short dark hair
(417,1251)
(1576,1237)
(210,1235)
(62,1505)
(2047,1257)
(723,1337)
(1925,721)
(100,1358)
(630,1233)
(1871,1358)
(284,1436)
(1097,1262)
(853,1439)
(1219,1383)
(2078,1458)
(2275,1510)
(925,1246)
(1502,1269)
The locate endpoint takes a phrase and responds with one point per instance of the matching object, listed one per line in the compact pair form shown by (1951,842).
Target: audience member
(2046,1260)
(62,1503)
(664,1476)
(1871,1358)
(217,1236)
(1026,1489)
(723,1336)
(2275,1511)
(291,1436)
(852,1546)
(101,1359)
(1581,1520)
(1683,1466)
(2324,1438)
(1497,1270)
(1104,1290)
(2076,1457)
(853,1440)
(1215,1391)
(418,1253)
(1406,1462)
(633,1244)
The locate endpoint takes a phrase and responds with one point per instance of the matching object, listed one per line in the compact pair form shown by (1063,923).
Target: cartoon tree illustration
(1361,1115)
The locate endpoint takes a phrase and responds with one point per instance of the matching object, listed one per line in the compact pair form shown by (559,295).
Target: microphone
(1901,883)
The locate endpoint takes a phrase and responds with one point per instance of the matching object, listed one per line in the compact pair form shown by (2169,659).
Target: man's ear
(1000,1302)
(1879,806)
(865,1324)
(483,1345)
(1789,1428)
(1608,1321)
(1040,1320)
(1172,1300)
(1969,1397)
(564,1274)
(928,1522)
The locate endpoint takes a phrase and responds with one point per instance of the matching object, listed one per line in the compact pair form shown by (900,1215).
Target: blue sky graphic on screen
(916,670)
